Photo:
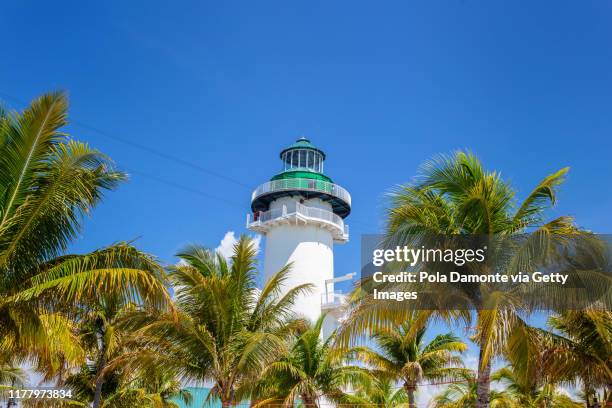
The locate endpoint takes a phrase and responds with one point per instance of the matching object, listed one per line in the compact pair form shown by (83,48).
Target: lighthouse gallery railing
(302,210)
(303,184)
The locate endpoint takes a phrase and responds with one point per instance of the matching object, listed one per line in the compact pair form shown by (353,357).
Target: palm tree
(11,376)
(48,183)
(10,373)
(102,338)
(457,196)
(380,393)
(101,381)
(579,347)
(529,393)
(463,394)
(225,330)
(591,397)
(155,388)
(407,358)
(163,388)
(311,371)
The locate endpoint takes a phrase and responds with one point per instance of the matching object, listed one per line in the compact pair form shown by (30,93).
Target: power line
(170,158)
(184,188)
(143,147)
(161,154)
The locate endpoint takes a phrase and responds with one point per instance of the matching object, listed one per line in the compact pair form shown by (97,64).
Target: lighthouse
(301,213)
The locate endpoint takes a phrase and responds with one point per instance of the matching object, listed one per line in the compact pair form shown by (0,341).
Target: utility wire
(184,188)
(161,154)
(143,147)
(171,158)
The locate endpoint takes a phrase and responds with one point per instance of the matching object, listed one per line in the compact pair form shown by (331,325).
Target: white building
(301,212)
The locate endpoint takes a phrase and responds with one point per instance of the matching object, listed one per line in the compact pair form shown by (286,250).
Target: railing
(303,184)
(296,208)
(332,299)
(321,214)
(271,214)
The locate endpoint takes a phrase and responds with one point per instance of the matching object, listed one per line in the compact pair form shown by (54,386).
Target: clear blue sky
(381,87)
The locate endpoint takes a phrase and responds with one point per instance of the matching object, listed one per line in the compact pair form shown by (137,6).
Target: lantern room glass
(303,159)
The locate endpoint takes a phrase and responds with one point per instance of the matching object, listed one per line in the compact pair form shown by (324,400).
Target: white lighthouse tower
(301,212)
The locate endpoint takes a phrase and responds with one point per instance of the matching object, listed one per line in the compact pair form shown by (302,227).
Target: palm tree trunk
(308,401)
(99,377)
(587,396)
(411,401)
(410,390)
(98,385)
(483,384)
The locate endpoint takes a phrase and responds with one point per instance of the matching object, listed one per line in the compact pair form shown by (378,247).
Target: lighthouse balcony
(332,300)
(299,214)
(338,197)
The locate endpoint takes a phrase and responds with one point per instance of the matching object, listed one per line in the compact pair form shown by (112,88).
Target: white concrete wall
(310,249)
(313,202)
